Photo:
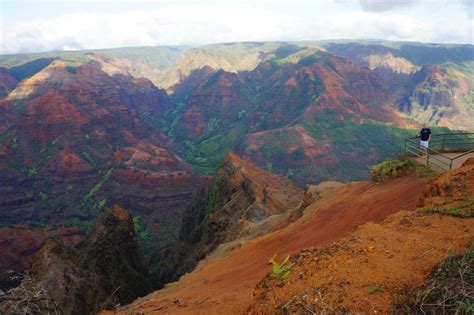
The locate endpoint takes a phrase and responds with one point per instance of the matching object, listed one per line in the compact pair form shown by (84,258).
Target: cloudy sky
(35,25)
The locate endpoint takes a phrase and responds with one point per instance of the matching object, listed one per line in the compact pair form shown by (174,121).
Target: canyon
(219,157)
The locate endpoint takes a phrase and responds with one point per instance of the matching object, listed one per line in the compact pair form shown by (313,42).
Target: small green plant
(43,196)
(373,290)
(32,171)
(14,142)
(280,271)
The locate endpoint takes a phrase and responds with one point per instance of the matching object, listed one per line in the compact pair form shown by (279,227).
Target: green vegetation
(167,234)
(45,154)
(396,168)
(463,210)
(14,142)
(143,235)
(84,225)
(100,206)
(42,196)
(206,155)
(88,200)
(89,158)
(280,271)
(373,290)
(448,289)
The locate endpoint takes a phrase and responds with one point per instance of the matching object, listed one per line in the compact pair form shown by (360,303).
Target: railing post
(427,157)
(444,142)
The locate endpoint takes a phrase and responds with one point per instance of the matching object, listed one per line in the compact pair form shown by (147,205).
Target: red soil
(224,285)
(371,270)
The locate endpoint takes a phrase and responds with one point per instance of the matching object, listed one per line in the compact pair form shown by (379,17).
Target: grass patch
(373,290)
(398,167)
(448,289)
(465,210)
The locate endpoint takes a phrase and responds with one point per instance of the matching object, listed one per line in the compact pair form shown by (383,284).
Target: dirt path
(224,285)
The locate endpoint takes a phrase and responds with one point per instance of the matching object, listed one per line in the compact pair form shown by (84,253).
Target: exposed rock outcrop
(440,96)
(104,269)
(244,202)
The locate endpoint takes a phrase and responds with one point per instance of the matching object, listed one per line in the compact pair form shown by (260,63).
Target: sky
(37,26)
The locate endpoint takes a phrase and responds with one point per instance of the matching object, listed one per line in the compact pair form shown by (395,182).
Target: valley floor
(224,284)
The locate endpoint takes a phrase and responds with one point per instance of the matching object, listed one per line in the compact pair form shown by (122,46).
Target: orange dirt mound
(368,271)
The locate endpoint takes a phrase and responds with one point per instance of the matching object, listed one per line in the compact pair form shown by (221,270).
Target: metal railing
(439,145)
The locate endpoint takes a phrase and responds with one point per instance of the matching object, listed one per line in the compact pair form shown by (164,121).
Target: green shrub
(398,167)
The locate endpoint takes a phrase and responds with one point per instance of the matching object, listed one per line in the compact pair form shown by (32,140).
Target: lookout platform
(447,151)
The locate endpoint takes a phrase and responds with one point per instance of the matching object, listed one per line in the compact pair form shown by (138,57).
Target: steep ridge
(82,140)
(224,284)
(104,269)
(244,202)
(431,83)
(392,258)
(440,96)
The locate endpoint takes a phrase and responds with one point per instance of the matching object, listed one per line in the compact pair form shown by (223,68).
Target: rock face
(439,96)
(81,140)
(104,269)
(244,202)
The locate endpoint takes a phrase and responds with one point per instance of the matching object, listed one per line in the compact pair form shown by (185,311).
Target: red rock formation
(82,140)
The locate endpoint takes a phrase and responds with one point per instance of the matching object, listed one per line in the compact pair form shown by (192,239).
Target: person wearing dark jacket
(425,137)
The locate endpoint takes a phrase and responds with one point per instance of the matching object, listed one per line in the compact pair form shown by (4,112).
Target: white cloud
(175,24)
(384,5)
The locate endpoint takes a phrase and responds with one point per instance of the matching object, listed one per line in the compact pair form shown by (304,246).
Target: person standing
(425,137)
